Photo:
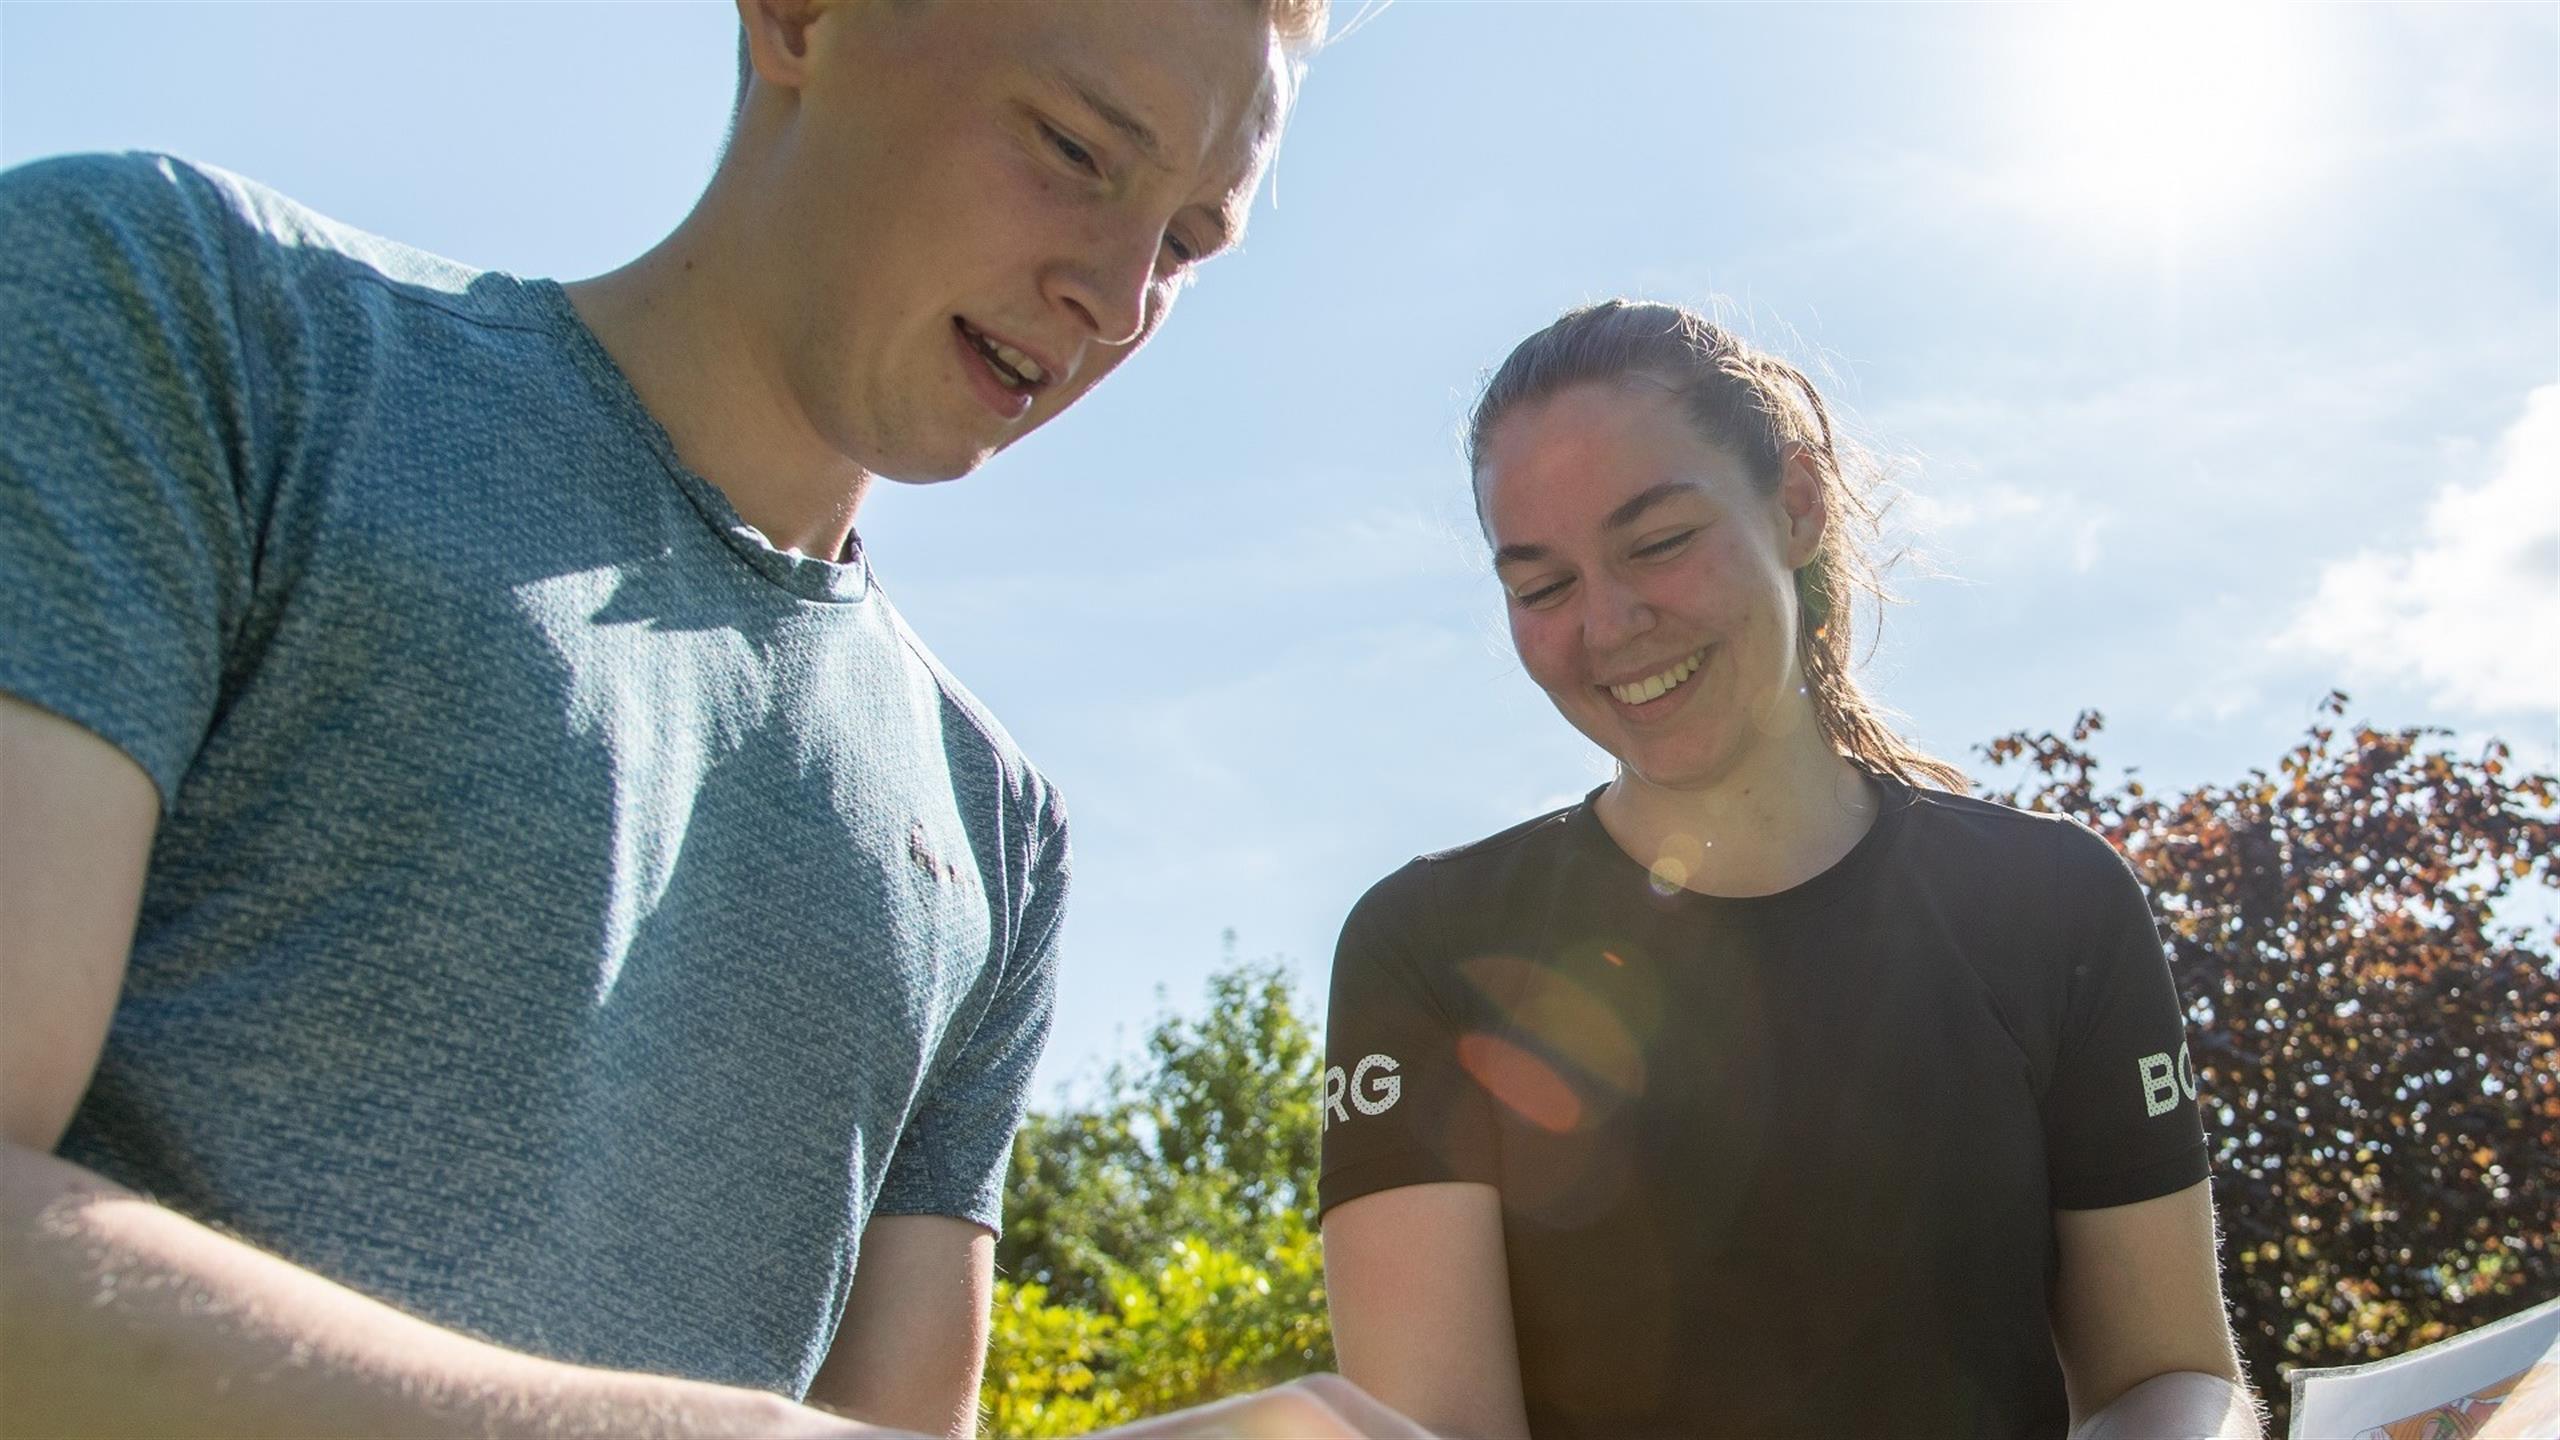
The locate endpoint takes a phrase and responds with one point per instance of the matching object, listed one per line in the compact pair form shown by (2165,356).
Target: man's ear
(776,36)
(1807,504)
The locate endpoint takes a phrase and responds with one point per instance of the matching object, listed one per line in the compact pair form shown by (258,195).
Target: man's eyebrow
(1225,224)
(1224,229)
(1137,132)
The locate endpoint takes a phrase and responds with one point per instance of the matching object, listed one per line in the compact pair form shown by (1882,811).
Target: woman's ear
(1802,495)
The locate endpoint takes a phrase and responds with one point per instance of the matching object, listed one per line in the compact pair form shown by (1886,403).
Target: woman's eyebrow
(1634,509)
(1618,519)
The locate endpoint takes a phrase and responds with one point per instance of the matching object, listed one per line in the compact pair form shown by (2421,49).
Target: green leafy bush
(1157,1251)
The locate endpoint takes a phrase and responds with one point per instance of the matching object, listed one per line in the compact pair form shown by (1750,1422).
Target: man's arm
(913,1340)
(2138,1321)
(118,1316)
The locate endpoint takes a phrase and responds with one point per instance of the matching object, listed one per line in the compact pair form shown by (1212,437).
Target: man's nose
(1110,284)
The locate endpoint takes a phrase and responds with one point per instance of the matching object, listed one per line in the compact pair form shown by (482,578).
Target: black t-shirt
(1773,1166)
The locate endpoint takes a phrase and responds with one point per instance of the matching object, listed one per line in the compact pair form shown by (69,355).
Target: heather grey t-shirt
(572,918)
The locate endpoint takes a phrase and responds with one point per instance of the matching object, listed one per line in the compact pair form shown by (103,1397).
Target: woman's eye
(1538,595)
(1667,545)
(1068,150)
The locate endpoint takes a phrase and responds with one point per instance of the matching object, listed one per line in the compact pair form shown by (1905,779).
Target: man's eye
(1069,151)
(1180,249)
(1667,545)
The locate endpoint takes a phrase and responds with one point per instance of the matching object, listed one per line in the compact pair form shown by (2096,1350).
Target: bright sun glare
(2163,121)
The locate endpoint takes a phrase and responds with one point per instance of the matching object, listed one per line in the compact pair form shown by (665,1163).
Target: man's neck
(683,332)
(1784,813)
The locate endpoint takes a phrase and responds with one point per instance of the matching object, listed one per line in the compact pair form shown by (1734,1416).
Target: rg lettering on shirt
(2161,1083)
(1373,1086)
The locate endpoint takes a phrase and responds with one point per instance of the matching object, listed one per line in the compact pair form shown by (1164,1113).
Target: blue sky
(2218,348)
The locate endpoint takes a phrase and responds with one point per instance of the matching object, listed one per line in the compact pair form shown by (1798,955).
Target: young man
(502,926)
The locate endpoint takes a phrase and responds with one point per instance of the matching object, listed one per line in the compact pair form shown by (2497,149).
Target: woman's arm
(1421,1301)
(2138,1321)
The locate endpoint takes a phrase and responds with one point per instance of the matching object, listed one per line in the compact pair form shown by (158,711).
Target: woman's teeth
(1653,687)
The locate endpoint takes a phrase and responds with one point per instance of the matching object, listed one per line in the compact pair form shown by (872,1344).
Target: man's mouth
(1014,370)
(1654,687)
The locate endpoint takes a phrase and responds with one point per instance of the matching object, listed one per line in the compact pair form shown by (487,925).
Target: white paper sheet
(2499,1382)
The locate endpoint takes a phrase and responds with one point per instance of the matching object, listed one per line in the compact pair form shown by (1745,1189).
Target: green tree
(1157,1250)
(2374,1049)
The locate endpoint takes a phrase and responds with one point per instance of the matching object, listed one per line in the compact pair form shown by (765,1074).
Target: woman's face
(1650,583)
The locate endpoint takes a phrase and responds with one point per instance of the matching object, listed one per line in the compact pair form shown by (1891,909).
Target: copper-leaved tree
(2374,1047)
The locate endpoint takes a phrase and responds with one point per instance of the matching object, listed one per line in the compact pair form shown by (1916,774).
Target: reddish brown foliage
(2374,1048)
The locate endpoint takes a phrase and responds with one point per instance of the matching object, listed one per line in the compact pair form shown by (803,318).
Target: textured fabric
(1771,1166)
(572,918)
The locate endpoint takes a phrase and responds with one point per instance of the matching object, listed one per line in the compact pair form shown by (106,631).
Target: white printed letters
(2163,1081)
(1373,1087)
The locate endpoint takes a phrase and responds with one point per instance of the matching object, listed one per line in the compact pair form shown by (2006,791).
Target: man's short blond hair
(1300,24)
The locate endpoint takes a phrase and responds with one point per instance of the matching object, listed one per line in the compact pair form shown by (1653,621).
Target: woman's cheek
(1541,645)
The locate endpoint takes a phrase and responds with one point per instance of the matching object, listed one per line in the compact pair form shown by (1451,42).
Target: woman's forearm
(119,1316)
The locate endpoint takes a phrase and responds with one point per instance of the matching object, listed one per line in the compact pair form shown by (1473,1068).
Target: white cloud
(2471,608)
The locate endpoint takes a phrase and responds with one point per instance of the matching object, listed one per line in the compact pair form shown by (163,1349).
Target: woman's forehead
(1579,456)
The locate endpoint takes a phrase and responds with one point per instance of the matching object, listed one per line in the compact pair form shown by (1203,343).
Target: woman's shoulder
(1988,836)
(1431,889)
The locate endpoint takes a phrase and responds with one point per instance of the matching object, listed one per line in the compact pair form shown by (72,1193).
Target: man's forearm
(119,1316)
(2182,1405)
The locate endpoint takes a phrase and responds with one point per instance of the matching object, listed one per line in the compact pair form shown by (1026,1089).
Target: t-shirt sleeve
(951,1156)
(1398,1106)
(125,554)
(2120,1116)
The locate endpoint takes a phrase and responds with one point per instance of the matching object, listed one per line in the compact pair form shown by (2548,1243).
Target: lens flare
(1562,1019)
(1526,1085)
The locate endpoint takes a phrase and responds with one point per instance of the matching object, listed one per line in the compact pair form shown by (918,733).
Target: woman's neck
(1774,821)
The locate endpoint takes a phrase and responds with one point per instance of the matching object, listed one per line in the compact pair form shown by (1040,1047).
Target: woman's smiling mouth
(1654,687)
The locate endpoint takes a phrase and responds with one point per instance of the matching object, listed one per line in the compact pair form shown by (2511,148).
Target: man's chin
(936,469)
(921,477)
(953,464)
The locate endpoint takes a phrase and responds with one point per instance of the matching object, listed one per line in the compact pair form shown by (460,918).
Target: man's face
(978,208)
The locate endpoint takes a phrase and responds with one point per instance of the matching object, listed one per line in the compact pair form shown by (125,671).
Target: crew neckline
(847,579)
(1894,800)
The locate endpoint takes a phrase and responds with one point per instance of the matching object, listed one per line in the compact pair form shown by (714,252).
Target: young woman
(1776,1088)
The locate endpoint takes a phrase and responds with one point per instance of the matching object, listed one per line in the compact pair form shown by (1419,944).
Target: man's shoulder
(138,186)
(133,221)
